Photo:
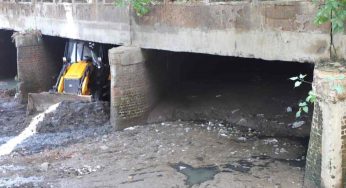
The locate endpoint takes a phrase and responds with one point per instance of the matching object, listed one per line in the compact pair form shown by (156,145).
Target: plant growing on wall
(329,11)
(311,98)
(332,11)
(140,6)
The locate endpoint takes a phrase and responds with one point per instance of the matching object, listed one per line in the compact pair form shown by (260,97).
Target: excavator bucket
(39,102)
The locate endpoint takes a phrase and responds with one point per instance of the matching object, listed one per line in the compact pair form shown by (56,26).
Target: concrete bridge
(268,30)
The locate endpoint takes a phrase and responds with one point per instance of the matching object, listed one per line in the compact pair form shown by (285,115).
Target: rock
(234,111)
(44,166)
(270,141)
(289,109)
(104,147)
(243,139)
(282,150)
(182,167)
(129,129)
(297,124)
(242,122)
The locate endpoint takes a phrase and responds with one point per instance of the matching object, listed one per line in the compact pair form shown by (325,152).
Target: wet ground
(12,115)
(171,154)
(168,154)
(267,106)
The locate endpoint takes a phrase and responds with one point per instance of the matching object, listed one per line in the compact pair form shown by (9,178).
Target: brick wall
(134,83)
(133,88)
(37,69)
(343,147)
(313,158)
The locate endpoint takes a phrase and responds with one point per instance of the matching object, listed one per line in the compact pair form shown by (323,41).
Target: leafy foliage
(303,106)
(311,98)
(140,6)
(333,11)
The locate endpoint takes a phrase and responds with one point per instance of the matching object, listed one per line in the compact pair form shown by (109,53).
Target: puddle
(196,176)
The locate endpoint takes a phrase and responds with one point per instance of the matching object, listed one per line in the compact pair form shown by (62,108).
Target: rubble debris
(84,170)
(75,115)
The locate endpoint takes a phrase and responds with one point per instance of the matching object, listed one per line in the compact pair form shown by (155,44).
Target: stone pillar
(34,65)
(326,159)
(131,90)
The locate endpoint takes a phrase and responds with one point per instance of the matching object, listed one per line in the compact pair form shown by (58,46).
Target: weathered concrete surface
(327,143)
(99,23)
(267,30)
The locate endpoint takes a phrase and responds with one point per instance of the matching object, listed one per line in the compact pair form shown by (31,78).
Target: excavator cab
(84,76)
(83,72)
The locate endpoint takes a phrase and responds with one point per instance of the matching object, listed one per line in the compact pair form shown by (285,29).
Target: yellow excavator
(84,76)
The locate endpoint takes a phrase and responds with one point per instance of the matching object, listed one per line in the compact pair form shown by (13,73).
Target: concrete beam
(269,30)
(103,23)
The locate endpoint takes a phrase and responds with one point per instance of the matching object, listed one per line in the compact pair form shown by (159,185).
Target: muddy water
(196,176)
